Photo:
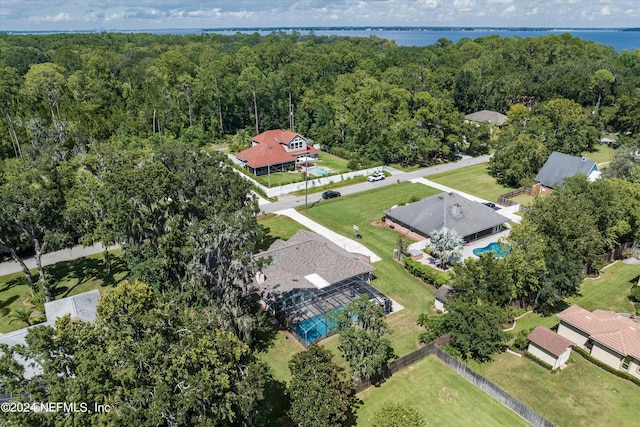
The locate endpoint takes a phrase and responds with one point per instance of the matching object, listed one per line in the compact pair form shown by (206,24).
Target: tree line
(363,98)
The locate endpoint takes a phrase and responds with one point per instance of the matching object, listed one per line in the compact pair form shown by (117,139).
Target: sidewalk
(345,243)
(54,257)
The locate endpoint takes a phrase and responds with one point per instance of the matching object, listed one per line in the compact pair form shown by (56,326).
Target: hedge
(426,273)
(584,353)
(539,361)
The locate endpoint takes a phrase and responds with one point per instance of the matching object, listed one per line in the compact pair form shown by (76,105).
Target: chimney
(456,210)
(260,277)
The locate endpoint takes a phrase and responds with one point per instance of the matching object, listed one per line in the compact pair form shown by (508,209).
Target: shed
(549,347)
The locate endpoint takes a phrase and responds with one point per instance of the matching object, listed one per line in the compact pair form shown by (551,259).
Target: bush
(538,361)
(38,300)
(635,294)
(426,273)
(521,342)
(584,353)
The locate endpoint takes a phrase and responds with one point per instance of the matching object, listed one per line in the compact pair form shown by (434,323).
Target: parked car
(375,177)
(330,194)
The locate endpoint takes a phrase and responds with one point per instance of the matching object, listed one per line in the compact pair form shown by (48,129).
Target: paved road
(357,188)
(81,251)
(54,257)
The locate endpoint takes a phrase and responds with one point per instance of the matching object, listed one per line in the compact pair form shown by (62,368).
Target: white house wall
(606,355)
(575,335)
(634,368)
(543,355)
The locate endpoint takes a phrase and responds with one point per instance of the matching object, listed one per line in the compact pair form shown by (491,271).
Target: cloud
(60,17)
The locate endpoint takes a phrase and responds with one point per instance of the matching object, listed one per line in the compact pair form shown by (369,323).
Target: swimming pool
(319,171)
(313,328)
(497,250)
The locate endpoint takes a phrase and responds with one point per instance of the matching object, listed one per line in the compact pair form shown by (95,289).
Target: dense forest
(101,140)
(363,98)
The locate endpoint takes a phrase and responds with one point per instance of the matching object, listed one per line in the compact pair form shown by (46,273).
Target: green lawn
(438,393)
(580,395)
(362,209)
(334,162)
(473,180)
(601,154)
(70,278)
(610,290)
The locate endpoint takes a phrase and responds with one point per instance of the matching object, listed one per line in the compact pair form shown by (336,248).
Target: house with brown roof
(276,151)
(549,347)
(308,276)
(609,337)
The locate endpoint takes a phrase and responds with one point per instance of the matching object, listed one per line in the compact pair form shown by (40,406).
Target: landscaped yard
(610,291)
(71,278)
(362,209)
(601,154)
(473,180)
(442,396)
(580,395)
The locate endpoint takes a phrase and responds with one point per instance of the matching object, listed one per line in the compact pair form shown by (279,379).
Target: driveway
(345,243)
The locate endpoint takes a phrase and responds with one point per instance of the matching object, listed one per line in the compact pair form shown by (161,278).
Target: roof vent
(584,159)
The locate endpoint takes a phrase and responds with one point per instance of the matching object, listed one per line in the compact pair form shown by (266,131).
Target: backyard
(473,180)
(442,396)
(72,278)
(580,395)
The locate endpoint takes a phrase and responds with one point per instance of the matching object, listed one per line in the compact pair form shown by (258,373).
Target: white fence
(311,183)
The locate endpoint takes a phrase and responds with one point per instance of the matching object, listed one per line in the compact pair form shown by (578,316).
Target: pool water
(319,171)
(497,250)
(313,328)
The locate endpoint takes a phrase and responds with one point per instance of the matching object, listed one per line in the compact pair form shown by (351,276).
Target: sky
(106,15)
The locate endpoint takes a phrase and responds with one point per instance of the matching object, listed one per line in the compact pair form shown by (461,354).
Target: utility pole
(306,177)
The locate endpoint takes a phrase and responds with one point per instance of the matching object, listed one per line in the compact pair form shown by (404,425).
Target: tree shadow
(83,270)
(266,336)
(278,398)
(268,240)
(6,303)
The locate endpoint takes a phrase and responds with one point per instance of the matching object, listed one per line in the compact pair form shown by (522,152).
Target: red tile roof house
(275,151)
(609,337)
(549,347)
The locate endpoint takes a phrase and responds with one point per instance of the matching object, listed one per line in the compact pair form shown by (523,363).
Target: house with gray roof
(79,307)
(308,276)
(559,167)
(486,116)
(471,220)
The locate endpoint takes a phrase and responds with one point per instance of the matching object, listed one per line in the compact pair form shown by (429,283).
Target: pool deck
(467,250)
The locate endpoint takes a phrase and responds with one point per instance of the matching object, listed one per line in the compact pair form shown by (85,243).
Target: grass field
(443,397)
(70,278)
(473,180)
(610,291)
(580,395)
(601,154)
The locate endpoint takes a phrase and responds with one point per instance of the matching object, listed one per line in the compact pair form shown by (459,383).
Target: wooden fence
(505,199)
(467,373)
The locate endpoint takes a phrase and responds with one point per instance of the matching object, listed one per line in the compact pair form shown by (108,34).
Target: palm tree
(445,244)
(21,314)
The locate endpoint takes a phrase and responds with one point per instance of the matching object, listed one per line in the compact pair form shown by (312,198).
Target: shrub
(584,353)
(424,272)
(521,342)
(538,361)
(38,300)
(635,294)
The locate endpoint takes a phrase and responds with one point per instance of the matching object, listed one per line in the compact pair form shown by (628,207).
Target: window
(625,363)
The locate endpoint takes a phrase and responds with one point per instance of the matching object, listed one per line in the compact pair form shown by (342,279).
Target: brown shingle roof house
(609,337)
(275,150)
(308,276)
(549,346)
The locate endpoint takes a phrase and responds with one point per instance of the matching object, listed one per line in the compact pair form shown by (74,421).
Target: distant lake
(618,38)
